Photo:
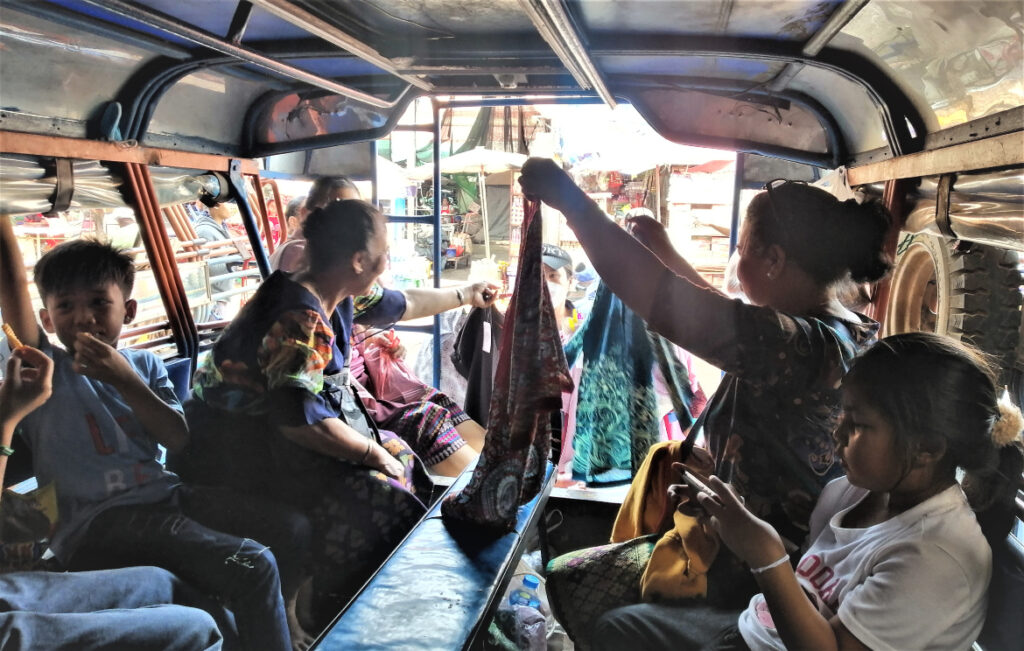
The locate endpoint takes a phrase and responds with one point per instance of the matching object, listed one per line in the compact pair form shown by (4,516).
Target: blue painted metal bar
(410,219)
(438,263)
(374,199)
(425,329)
(288,176)
(737,185)
(239,194)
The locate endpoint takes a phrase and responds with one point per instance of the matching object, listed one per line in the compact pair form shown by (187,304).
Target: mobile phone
(697,485)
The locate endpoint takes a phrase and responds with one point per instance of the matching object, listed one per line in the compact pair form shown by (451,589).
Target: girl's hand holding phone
(693,486)
(697,486)
(752,539)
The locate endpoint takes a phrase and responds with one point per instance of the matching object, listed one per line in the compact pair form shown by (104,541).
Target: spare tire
(972,296)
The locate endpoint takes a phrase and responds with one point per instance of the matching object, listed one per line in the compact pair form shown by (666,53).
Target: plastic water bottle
(526,593)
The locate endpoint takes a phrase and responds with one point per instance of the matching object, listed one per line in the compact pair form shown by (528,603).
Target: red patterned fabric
(532,374)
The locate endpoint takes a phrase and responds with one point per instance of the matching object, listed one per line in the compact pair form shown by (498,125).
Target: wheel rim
(914,293)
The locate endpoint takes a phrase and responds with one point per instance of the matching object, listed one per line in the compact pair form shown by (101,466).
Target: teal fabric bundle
(617,416)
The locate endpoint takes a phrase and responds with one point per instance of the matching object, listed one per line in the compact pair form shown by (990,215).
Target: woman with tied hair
(773,415)
(275,392)
(290,256)
(434,425)
(898,560)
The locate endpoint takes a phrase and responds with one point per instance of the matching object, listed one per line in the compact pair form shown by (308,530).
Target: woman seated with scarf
(275,400)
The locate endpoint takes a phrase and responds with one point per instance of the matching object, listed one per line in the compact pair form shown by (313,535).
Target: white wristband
(762,570)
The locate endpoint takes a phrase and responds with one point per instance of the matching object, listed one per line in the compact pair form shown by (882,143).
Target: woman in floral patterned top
(276,383)
(784,356)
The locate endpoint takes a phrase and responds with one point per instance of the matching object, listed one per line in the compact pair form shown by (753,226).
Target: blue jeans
(239,571)
(133,608)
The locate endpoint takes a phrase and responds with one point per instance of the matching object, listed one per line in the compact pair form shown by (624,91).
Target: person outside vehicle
(773,414)
(558,274)
(211,227)
(287,255)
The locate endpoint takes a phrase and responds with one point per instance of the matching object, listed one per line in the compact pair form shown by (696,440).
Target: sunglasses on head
(775,184)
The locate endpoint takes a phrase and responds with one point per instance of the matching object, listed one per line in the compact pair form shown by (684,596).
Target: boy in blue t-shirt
(96,440)
(123,608)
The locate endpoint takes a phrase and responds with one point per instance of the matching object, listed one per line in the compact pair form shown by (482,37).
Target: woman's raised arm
(631,270)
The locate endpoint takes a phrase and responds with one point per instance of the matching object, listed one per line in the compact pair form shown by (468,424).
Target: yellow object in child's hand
(12,339)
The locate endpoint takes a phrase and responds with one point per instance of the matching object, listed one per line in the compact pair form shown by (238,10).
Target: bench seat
(437,590)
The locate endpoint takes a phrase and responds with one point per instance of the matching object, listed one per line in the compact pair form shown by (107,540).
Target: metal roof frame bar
(835,24)
(553,22)
(170,25)
(291,13)
(892,102)
(239,22)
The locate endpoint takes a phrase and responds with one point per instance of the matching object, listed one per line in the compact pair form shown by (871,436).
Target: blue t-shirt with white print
(88,443)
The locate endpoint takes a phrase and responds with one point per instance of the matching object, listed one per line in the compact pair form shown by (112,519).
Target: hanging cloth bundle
(616,415)
(528,387)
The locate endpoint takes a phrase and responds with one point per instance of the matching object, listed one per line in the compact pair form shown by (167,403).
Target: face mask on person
(558,293)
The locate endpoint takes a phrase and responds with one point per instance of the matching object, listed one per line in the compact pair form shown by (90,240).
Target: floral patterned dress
(281,362)
(395,399)
(774,412)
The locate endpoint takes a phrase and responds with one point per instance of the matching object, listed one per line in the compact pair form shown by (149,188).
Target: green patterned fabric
(585,584)
(616,416)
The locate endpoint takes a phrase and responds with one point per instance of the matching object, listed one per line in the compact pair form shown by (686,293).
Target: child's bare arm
(15,302)
(754,541)
(23,389)
(98,360)
(165,425)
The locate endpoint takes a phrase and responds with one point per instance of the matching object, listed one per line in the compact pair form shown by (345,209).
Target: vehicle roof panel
(859,71)
(791,20)
(713,67)
(962,59)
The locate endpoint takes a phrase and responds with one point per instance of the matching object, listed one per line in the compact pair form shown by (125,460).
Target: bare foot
(302,606)
(301,640)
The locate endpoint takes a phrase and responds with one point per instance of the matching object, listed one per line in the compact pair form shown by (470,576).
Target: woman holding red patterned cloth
(773,415)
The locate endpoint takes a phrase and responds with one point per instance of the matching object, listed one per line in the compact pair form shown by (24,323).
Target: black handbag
(339,392)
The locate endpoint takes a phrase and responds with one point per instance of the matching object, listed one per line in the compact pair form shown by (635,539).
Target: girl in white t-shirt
(899,560)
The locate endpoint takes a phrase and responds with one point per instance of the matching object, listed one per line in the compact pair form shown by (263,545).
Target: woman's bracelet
(459,295)
(366,455)
(762,570)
